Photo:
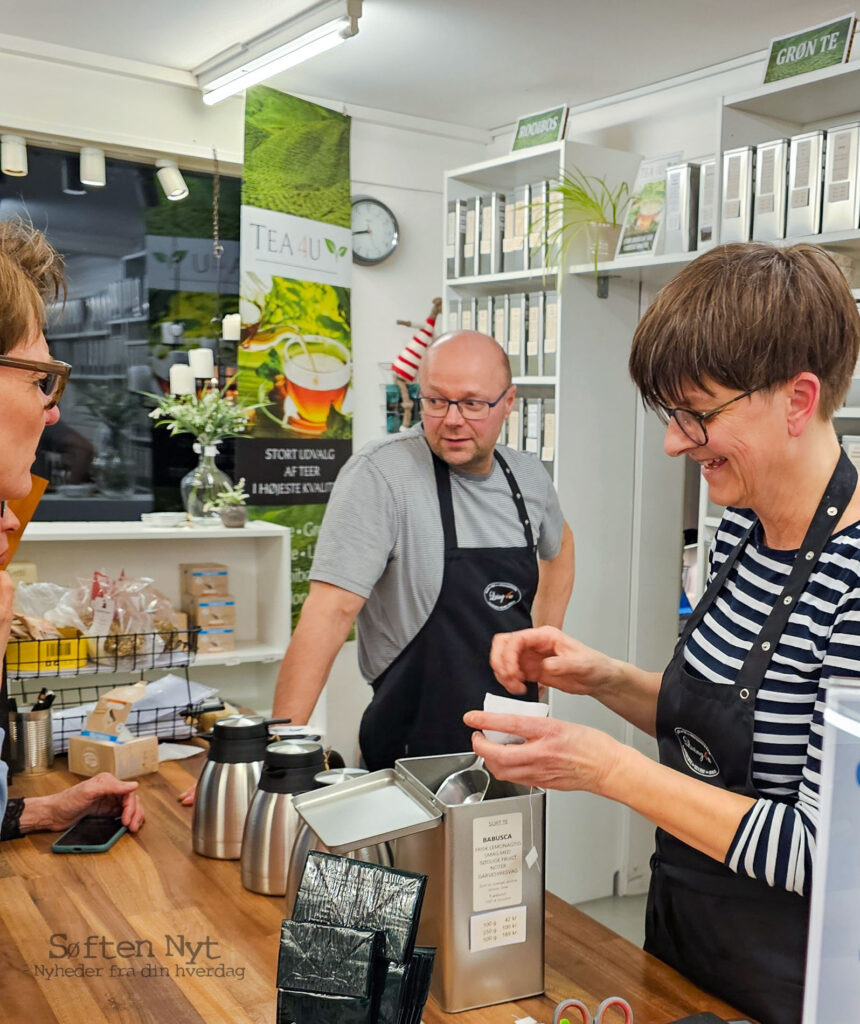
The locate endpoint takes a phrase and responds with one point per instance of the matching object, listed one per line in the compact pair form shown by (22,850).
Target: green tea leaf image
(341,251)
(296,157)
(329,244)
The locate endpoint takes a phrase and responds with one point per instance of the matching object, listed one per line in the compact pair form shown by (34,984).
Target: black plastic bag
(354,894)
(328,960)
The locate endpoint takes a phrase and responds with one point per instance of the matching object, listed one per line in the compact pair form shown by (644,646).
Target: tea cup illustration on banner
(317,371)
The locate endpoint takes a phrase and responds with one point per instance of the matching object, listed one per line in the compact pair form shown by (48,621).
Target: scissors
(562,1011)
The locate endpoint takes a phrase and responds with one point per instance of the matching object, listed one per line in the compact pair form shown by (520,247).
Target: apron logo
(501,596)
(696,753)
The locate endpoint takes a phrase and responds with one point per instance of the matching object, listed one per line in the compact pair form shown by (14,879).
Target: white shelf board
(830,94)
(246,652)
(535,381)
(523,167)
(633,265)
(110,531)
(546,277)
(713,522)
(847,412)
(848,241)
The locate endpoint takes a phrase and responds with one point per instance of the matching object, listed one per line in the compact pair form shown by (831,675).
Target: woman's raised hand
(547,656)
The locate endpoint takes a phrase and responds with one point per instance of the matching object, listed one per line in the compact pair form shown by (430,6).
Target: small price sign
(810,50)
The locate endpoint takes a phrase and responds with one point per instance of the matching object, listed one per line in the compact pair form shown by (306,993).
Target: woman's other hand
(555,755)
(547,656)
(102,794)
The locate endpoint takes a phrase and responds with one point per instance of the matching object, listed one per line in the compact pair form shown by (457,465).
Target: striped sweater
(775,841)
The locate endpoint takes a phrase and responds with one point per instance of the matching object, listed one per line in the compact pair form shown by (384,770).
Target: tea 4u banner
(295,354)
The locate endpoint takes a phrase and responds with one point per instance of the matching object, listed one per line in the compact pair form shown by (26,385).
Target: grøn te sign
(818,47)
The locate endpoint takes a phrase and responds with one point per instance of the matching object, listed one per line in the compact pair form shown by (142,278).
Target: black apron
(420,699)
(735,936)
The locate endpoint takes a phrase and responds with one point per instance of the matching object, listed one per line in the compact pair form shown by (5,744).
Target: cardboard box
(215,641)
(210,611)
(203,578)
(88,756)
(106,745)
(68,652)
(22,572)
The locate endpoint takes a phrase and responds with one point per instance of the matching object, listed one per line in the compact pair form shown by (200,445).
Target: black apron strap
(836,497)
(714,587)
(446,503)
(519,501)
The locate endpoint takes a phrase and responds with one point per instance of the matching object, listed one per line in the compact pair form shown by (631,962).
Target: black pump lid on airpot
(238,739)
(289,766)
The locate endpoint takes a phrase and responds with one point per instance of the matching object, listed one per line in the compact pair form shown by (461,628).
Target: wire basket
(115,652)
(74,702)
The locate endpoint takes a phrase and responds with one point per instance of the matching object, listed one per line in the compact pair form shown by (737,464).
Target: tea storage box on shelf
(257,557)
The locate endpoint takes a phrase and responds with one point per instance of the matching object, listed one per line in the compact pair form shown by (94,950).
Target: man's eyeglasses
(469,408)
(52,383)
(692,423)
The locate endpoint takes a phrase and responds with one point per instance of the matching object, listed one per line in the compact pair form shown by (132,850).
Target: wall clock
(375,233)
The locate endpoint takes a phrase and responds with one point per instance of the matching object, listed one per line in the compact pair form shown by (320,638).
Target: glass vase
(112,471)
(201,486)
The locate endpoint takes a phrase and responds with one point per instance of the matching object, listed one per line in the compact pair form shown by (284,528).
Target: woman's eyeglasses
(692,423)
(54,376)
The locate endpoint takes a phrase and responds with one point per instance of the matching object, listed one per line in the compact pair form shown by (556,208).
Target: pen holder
(32,741)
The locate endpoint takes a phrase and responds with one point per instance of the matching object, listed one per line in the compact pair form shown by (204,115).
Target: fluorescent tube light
(321,28)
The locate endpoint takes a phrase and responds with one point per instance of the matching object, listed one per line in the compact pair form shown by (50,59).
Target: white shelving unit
(258,559)
(821,99)
(612,479)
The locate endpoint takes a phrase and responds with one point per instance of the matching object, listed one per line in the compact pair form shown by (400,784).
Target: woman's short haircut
(749,316)
(31,271)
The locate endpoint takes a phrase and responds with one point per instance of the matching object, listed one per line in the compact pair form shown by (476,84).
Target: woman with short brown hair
(745,354)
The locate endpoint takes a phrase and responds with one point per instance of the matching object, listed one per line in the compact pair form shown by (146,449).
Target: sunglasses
(52,383)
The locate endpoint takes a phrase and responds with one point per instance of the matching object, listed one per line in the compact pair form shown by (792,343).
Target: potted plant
(585,202)
(210,416)
(229,503)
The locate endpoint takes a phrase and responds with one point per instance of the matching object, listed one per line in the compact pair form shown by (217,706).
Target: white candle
(231,327)
(201,362)
(181,379)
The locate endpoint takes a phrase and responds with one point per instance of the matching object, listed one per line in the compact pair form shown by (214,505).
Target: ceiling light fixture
(171,180)
(93,167)
(13,155)
(318,29)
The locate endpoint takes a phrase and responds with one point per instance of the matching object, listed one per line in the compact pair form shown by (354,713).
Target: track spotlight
(13,155)
(70,177)
(171,180)
(93,167)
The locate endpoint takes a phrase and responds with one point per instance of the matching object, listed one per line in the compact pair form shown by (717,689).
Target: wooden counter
(167,937)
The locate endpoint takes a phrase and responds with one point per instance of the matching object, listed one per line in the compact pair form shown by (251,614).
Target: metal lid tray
(363,812)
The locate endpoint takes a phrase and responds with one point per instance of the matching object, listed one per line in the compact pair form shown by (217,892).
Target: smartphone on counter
(93,834)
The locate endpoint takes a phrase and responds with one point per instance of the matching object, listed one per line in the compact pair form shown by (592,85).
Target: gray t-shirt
(382,539)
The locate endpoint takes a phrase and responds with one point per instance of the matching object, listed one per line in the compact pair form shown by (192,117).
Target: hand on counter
(555,755)
(102,794)
(187,798)
(547,656)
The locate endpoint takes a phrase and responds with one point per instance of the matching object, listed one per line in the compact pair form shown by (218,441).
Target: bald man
(435,539)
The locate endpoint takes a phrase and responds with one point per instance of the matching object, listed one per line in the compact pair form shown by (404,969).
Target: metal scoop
(466,786)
